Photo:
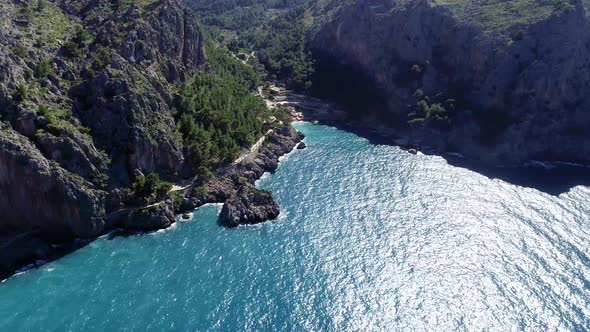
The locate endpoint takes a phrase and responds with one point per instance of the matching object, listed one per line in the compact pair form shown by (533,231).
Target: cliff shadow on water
(553,179)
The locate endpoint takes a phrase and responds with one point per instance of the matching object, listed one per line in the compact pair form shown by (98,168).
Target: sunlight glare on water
(370,238)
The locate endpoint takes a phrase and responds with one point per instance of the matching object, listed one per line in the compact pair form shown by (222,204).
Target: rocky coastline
(324,111)
(232,185)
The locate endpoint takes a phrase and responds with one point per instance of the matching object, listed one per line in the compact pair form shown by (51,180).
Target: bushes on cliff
(43,69)
(437,114)
(148,189)
(22,93)
(81,39)
(281,48)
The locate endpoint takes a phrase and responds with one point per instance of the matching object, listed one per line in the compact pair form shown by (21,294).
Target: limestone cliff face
(85,102)
(518,89)
(127,106)
(41,197)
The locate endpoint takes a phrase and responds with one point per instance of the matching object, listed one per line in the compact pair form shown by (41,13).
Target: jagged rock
(248,206)
(226,182)
(153,217)
(21,249)
(301,146)
(73,133)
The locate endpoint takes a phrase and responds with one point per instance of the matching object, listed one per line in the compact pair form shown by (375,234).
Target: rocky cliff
(86,97)
(499,81)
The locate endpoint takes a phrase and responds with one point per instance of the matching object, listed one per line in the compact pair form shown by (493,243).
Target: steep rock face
(518,89)
(85,103)
(41,197)
(126,106)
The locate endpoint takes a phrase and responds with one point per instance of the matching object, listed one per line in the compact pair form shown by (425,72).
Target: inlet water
(370,239)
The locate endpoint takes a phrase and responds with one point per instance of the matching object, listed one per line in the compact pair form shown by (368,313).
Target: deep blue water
(370,239)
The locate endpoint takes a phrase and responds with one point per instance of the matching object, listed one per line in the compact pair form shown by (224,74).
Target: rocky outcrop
(248,206)
(227,181)
(510,81)
(40,196)
(127,105)
(153,217)
(234,185)
(41,203)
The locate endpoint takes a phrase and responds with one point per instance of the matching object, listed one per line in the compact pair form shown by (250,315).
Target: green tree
(43,69)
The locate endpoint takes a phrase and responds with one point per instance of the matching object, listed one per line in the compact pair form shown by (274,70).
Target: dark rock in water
(186,216)
(150,218)
(249,206)
(413,151)
(301,146)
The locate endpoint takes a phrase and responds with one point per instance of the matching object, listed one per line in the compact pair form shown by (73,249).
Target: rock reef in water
(157,216)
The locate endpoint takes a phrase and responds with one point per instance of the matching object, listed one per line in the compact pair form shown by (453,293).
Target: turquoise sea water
(370,239)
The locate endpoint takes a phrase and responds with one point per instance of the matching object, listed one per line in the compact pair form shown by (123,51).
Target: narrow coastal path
(251,154)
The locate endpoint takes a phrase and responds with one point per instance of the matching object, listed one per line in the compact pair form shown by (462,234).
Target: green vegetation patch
(499,16)
(60,118)
(217,114)
(148,189)
(49,22)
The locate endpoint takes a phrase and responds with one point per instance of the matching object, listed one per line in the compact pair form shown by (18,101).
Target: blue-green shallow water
(370,238)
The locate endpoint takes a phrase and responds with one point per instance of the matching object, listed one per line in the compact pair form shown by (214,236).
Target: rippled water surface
(370,239)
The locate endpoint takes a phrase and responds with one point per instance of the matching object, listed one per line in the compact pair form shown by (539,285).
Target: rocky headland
(234,184)
(94,128)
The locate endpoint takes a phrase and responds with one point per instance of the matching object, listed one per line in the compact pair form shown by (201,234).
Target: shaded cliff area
(499,81)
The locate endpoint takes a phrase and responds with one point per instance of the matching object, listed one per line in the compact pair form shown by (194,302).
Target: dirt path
(251,154)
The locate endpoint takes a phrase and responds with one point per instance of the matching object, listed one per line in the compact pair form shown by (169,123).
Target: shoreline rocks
(232,185)
(249,205)
(149,218)
(228,184)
